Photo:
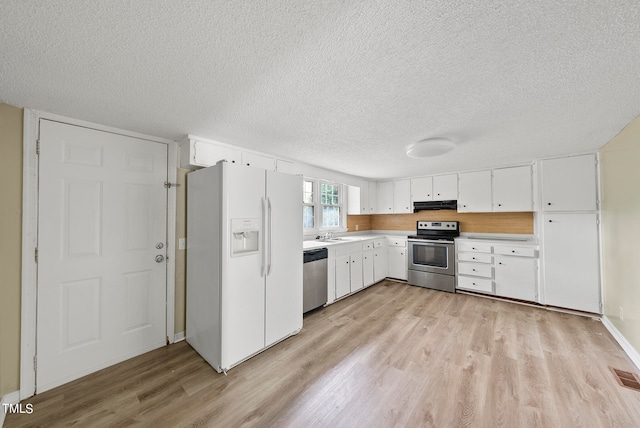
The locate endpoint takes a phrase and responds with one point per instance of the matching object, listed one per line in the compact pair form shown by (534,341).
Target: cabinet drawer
(367,246)
(397,242)
(475,257)
(514,250)
(480,247)
(475,284)
(476,269)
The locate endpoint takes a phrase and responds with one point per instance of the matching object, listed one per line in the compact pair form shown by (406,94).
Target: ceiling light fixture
(430,147)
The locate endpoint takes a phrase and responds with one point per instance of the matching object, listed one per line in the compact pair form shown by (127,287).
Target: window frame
(317,207)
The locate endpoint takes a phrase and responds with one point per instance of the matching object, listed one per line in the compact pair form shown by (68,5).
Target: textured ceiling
(345,85)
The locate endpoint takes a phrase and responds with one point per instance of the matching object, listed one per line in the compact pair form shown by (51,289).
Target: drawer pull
(513,251)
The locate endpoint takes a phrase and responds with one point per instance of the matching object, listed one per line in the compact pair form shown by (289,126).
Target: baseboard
(626,346)
(178,337)
(10,398)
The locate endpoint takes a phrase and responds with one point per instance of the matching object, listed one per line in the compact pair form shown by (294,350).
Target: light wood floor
(392,355)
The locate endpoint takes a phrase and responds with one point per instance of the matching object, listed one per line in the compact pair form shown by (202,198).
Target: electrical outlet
(182,243)
(621,314)
(357,226)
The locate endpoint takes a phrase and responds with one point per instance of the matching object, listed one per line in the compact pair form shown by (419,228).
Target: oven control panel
(437,225)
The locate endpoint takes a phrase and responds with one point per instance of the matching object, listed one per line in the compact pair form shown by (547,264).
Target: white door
(571,261)
(284,257)
(421,189)
(102,213)
(402,196)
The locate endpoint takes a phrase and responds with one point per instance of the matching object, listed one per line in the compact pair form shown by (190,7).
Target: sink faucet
(325,236)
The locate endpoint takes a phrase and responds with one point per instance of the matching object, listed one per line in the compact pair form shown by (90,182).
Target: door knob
(159,245)
(159,258)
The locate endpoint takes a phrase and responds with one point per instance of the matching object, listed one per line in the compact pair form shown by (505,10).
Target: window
(308,209)
(330,202)
(322,205)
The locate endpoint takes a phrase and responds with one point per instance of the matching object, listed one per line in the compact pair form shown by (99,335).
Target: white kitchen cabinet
(355,273)
(513,189)
(258,161)
(571,261)
(402,196)
(196,152)
(343,275)
(474,191)
(498,267)
(515,277)
(354,198)
(368,267)
(569,183)
(381,263)
(385,197)
(397,254)
(445,187)
(421,189)
(373,197)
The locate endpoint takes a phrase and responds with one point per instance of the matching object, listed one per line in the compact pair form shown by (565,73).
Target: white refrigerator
(244,261)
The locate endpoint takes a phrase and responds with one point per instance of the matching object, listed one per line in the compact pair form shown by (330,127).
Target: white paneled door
(101,249)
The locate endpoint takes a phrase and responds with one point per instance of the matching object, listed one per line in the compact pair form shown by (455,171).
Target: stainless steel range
(432,255)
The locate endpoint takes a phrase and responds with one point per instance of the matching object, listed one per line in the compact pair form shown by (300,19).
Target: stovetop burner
(437,230)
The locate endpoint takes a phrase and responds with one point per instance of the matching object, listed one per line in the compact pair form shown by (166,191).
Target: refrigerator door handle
(269,237)
(263,265)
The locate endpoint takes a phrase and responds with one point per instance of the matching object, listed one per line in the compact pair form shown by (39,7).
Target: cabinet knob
(473,283)
(548,203)
(473,248)
(499,263)
(473,258)
(513,251)
(473,270)
(499,205)
(550,221)
(438,194)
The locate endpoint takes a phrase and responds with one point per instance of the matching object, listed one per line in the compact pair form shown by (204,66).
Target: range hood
(435,205)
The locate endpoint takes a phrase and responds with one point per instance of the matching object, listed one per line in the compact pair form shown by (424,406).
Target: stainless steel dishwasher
(314,279)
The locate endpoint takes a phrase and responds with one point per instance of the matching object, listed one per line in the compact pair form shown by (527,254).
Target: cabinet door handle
(550,221)
(499,263)
(499,205)
(548,203)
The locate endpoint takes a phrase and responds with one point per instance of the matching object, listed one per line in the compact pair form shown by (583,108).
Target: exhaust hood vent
(435,205)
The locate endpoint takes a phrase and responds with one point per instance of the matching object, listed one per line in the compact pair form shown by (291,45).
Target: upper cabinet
(445,187)
(385,197)
(195,152)
(499,190)
(435,188)
(474,191)
(569,183)
(421,189)
(513,189)
(258,161)
(402,196)
(373,197)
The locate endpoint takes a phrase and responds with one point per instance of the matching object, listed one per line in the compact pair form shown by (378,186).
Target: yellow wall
(620,179)
(10,246)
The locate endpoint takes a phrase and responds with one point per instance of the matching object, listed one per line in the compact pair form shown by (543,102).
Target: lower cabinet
(397,258)
(368,267)
(515,277)
(381,263)
(343,276)
(506,270)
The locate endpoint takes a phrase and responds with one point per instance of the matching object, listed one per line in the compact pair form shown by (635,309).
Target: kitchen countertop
(501,237)
(350,238)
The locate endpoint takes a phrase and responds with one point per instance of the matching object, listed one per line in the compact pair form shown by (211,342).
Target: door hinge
(37,147)
(168,185)
(35,363)
(36,254)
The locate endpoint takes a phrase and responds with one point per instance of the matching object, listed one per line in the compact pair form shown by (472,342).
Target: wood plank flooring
(391,355)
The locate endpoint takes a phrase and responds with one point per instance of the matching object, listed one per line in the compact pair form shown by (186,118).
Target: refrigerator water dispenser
(245,236)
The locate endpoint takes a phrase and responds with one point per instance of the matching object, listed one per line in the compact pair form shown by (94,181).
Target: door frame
(30,197)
